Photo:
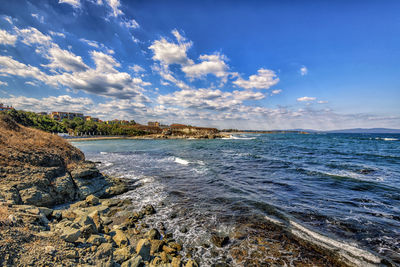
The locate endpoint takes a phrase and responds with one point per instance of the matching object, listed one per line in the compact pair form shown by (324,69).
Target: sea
(342,187)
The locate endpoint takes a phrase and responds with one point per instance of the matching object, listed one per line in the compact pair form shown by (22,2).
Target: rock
(70,234)
(98,222)
(191,263)
(104,251)
(46,211)
(92,200)
(149,209)
(96,240)
(88,226)
(169,250)
(36,196)
(123,254)
(112,202)
(164,256)
(219,240)
(175,245)
(50,250)
(64,187)
(10,195)
(153,234)
(133,262)
(78,204)
(120,238)
(56,214)
(71,254)
(156,246)
(143,249)
(176,262)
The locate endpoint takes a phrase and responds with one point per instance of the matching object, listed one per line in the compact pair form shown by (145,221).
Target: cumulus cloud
(306,99)
(303,71)
(264,79)
(210,64)
(31,36)
(64,60)
(171,53)
(73,3)
(7,38)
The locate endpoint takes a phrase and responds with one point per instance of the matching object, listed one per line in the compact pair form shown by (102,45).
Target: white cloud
(59,34)
(64,60)
(130,24)
(275,92)
(9,66)
(40,18)
(115,6)
(6,38)
(136,68)
(8,19)
(306,99)
(303,71)
(171,53)
(31,36)
(3,83)
(32,83)
(263,80)
(322,102)
(90,43)
(73,3)
(211,64)
(166,74)
(178,36)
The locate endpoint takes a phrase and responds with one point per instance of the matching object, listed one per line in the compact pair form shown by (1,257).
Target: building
(90,118)
(153,123)
(4,108)
(56,115)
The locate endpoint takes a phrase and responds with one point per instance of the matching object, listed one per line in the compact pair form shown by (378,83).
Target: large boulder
(143,248)
(120,238)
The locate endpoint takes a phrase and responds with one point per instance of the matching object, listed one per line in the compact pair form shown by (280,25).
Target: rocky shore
(57,209)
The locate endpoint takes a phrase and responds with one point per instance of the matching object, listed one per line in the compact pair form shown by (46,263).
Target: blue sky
(228,64)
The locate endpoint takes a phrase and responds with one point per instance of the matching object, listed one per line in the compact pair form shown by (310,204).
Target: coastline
(65,214)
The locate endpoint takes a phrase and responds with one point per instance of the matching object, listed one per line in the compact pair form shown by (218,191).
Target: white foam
(387,139)
(103,153)
(181,161)
(349,252)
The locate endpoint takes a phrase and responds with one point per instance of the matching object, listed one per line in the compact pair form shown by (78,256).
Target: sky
(228,64)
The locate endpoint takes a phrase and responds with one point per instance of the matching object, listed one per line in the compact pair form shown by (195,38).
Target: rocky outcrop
(42,169)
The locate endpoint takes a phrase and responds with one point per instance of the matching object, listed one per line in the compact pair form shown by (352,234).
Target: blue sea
(342,186)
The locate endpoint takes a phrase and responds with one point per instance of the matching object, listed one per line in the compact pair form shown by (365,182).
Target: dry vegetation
(17,144)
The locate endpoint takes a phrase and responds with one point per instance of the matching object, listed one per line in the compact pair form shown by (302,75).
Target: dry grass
(17,141)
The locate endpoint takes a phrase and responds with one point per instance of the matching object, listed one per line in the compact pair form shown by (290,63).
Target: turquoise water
(345,186)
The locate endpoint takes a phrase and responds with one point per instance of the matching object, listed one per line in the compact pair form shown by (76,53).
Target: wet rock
(156,246)
(149,209)
(153,234)
(184,230)
(219,240)
(120,238)
(191,263)
(143,249)
(133,262)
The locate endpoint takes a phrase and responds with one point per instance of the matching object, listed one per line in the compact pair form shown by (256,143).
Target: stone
(120,238)
(104,251)
(71,254)
(97,220)
(219,240)
(169,250)
(156,246)
(92,200)
(70,234)
(36,196)
(176,262)
(149,209)
(96,240)
(112,202)
(153,234)
(143,249)
(50,250)
(191,263)
(46,211)
(175,245)
(123,254)
(133,262)
(78,204)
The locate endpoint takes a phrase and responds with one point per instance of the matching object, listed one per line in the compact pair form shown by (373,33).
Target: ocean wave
(242,138)
(181,161)
(386,139)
